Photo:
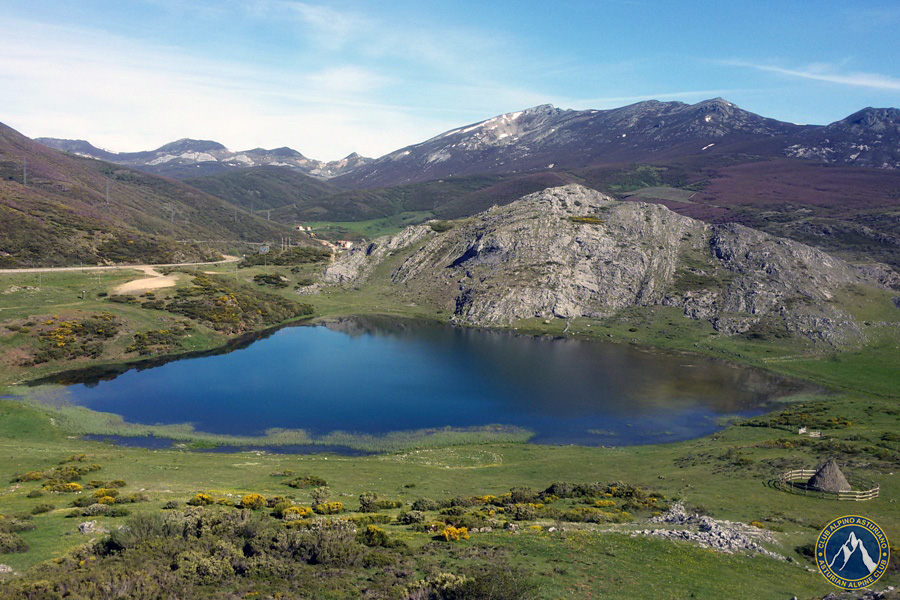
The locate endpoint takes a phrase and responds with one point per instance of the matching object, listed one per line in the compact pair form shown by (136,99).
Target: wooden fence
(795,482)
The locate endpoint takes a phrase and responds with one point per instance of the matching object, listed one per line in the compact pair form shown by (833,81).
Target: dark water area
(373,376)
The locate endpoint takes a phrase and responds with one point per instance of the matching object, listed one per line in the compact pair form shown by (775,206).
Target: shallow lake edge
(99,426)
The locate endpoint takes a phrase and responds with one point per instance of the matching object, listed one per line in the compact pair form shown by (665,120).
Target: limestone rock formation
(570,252)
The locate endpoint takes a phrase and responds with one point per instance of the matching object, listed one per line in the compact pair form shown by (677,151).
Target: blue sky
(332,78)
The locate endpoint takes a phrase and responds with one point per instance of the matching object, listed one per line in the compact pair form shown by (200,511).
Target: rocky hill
(193,158)
(868,138)
(569,252)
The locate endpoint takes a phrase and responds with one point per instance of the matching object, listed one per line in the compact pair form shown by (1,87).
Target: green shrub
(425,504)
(329,508)
(272,279)
(10,542)
(306,481)
(95,509)
(374,536)
(320,495)
(368,502)
(411,517)
(42,508)
(441,226)
(370,519)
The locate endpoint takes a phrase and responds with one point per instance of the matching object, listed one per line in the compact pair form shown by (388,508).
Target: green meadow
(535,548)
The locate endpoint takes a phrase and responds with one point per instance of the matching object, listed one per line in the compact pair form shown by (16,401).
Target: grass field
(726,475)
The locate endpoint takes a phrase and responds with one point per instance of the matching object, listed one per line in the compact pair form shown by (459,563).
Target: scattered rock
(89,527)
(721,536)
(5,569)
(861,594)
(17,288)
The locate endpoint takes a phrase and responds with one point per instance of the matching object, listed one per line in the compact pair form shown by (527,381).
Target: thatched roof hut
(829,478)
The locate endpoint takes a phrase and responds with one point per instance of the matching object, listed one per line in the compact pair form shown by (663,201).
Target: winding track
(228,259)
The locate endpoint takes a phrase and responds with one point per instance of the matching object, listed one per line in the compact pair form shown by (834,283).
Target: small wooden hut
(829,478)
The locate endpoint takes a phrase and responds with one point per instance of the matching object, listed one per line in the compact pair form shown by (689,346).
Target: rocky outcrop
(573,252)
(360,262)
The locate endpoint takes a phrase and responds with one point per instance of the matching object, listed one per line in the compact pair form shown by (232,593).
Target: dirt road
(228,259)
(154,280)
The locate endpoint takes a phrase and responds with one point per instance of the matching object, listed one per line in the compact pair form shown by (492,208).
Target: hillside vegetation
(54,212)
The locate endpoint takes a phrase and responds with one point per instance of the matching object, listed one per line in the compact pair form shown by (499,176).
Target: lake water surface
(379,375)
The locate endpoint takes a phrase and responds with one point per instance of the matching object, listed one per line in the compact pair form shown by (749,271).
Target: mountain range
(546,138)
(832,186)
(191,158)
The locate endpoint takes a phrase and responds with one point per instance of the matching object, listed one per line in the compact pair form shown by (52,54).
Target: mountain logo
(852,552)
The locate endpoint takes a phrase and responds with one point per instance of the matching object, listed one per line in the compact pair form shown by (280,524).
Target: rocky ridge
(573,252)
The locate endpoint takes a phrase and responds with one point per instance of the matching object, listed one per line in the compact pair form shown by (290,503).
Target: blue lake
(379,375)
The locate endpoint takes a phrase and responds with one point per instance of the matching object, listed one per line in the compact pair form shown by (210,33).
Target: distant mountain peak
(875,118)
(192,145)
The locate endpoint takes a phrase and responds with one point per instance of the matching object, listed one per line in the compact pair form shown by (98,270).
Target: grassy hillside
(262,188)
(54,212)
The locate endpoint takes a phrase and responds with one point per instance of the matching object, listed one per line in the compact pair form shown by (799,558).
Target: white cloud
(827,73)
(127,94)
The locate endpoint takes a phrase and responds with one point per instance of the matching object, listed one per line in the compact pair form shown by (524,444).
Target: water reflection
(374,375)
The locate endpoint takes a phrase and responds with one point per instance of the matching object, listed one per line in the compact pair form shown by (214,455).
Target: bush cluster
(271,279)
(291,256)
(9,527)
(157,341)
(328,508)
(63,339)
(232,307)
(454,534)
(306,481)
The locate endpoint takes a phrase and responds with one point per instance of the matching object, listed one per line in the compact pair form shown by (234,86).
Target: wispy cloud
(129,94)
(827,73)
